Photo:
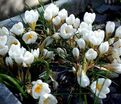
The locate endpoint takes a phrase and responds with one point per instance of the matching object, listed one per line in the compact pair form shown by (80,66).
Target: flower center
(98,86)
(15,43)
(46,101)
(38,88)
(29,37)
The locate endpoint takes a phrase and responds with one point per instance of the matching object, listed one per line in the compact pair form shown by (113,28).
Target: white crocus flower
(63,14)
(48,99)
(16,53)
(76,23)
(110,27)
(83,80)
(100,87)
(12,40)
(9,61)
(39,89)
(66,31)
(4,31)
(35,52)
(31,18)
(28,58)
(81,43)
(70,20)
(30,37)
(104,47)
(3,49)
(91,54)
(57,20)
(48,15)
(75,53)
(96,37)
(84,28)
(118,32)
(3,39)
(89,17)
(53,9)
(17,29)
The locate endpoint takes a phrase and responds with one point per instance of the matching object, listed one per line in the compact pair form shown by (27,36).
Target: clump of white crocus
(3,49)
(83,79)
(75,53)
(28,59)
(110,27)
(100,87)
(81,43)
(76,23)
(30,37)
(39,89)
(50,12)
(48,54)
(118,32)
(31,18)
(70,20)
(66,31)
(89,17)
(35,52)
(56,21)
(12,40)
(96,37)
(48,99)
(91,54)
(17,29)
(104,47)
(4,31)
(9,61)
(63,14)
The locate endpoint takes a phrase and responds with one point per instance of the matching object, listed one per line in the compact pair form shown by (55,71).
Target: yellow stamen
(29,36)
(98,86)
(15,43)
(38,88)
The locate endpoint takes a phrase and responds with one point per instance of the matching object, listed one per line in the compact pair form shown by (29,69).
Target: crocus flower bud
(81,43)
(70,20)
(57,20)
(91,54)
(76,23)
(89,17)
(104,47)
(63,14)
(110,27)
(83,80)
(75,52)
